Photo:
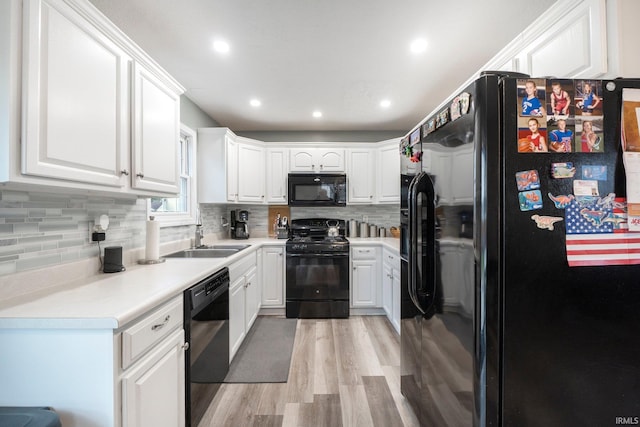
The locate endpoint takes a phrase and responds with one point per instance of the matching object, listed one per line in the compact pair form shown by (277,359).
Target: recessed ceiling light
(221,46)
(385,103)
(255,102)
(418,46)
(317,114)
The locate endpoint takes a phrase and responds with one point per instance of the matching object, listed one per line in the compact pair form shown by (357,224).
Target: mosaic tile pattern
(45,229)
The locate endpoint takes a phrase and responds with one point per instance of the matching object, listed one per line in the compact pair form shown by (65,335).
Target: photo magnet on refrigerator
(596,172)
(562,170)
(530,200)
(527,180)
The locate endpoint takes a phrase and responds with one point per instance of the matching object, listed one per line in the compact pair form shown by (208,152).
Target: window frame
(173,219)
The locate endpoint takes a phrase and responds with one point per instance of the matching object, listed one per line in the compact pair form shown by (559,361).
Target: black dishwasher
(206,327)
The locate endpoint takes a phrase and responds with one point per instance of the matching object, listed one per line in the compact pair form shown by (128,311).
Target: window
(181,210)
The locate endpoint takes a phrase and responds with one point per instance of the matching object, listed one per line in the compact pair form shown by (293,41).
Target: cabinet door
(252,298)
(250,173)
(580,34)
(330,160)
(76,101)
(156,133)
(387,290)
(236,315)
(302,160)
(232,169)
(277,170)
(364,279)
(153,389)
(388,175)
(395,286)
(273,277)
(361,176)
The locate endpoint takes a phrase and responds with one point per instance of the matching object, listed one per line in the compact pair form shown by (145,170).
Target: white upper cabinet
(156,130)
(388,172)
(217,158)
(75,102)
(317,160)
(251,173)
(361,175)
(277,171)
(97,113)
(568,40)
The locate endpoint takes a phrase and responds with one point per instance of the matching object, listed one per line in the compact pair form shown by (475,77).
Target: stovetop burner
(310,236)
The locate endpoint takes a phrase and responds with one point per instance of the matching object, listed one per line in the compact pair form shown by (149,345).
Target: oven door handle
(315,255)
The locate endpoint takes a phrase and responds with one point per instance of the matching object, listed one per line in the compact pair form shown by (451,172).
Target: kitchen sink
(236,247)
(213,251)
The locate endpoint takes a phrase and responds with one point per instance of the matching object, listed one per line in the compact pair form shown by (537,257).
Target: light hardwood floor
(344,372)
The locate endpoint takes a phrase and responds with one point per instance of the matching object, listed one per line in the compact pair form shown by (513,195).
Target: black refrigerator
(520,276)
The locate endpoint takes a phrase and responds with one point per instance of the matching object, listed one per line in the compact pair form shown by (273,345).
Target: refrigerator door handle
(422,287)
(412,242)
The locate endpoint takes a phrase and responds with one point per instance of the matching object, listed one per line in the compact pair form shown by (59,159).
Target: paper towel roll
(152,250)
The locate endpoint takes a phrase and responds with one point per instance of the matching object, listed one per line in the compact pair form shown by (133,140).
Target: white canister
(364,229)
(382,232)
(373,230)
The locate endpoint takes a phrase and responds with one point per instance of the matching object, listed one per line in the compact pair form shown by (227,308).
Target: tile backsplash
(45,229)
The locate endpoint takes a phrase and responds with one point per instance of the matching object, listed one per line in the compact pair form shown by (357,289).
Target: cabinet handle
(124,172)
(185,346)
(371,197)
(140,175)
(159,326)
(354,267)
(321,166)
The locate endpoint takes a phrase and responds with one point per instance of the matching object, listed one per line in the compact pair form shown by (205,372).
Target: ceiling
(341,57)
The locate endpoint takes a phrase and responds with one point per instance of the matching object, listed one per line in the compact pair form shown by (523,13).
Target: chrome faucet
(199,236)
(199,231)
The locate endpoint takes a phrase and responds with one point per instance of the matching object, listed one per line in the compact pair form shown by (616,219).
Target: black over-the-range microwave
(325,189)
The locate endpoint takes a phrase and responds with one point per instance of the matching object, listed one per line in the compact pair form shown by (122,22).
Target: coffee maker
(240,227)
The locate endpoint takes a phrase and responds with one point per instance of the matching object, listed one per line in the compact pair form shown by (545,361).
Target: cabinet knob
(185,346)
(140,175)
(354,267)
(124,172)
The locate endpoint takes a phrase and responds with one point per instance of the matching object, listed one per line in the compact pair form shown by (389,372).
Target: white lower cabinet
(244,299)
(365,276)
(153,389)
(236,316)
(391,287)
(98,376)
(273,277)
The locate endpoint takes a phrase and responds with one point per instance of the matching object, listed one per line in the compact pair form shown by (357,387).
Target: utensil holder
(282,232)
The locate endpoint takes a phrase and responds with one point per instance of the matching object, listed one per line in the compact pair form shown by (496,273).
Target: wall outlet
(91,225)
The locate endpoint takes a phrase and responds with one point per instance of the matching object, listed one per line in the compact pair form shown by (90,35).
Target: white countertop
(110,301)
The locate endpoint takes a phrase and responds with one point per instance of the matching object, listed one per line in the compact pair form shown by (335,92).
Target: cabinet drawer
(239,268)
(144,334)
(390,258)
(364,252)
